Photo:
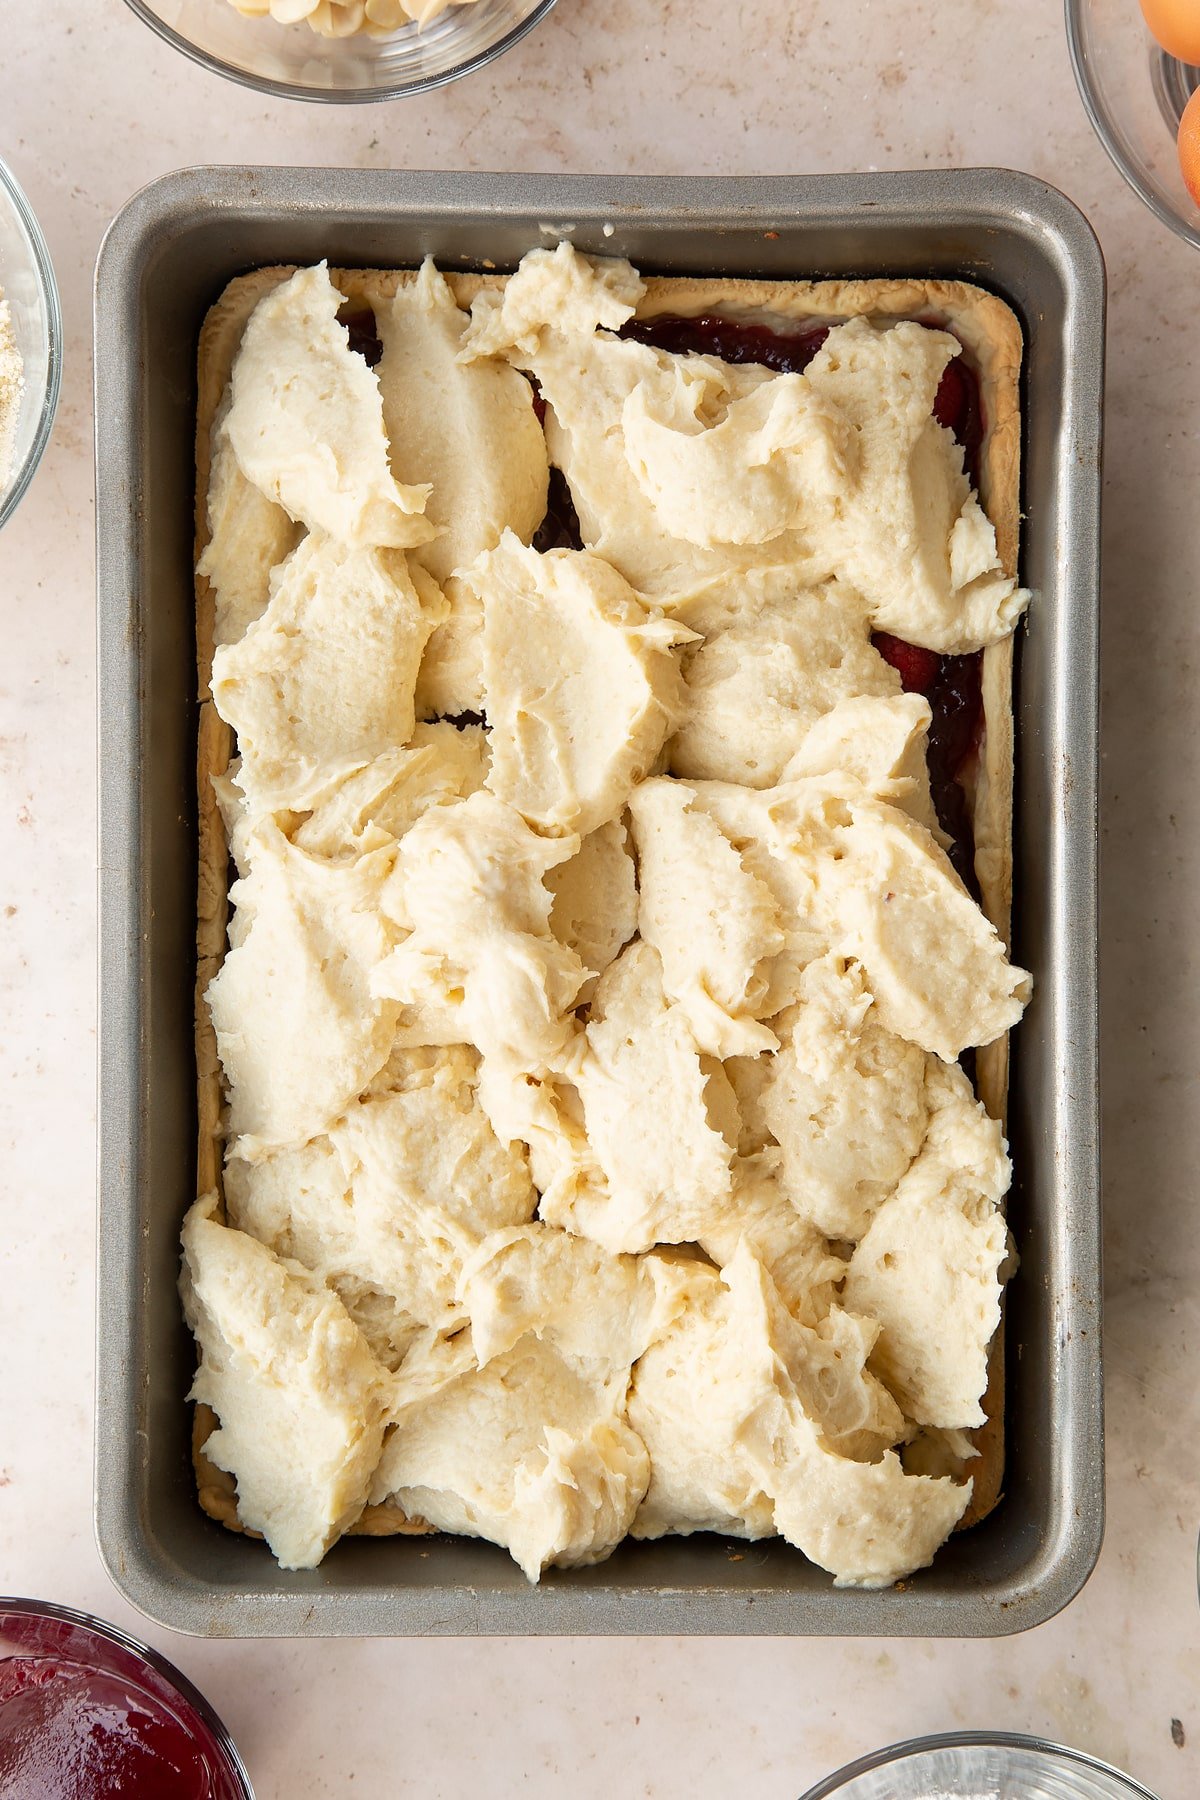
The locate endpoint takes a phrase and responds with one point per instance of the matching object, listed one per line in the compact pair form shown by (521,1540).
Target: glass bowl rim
(1100,125)
(954,1740)
(48,287)
(70,1615)
(359,96)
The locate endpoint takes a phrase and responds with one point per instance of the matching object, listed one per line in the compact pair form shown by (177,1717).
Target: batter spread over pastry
(586,1152)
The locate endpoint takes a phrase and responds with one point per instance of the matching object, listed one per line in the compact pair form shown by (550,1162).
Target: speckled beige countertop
(94,106)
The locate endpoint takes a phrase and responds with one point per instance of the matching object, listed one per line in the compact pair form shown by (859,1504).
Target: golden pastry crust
(991,335)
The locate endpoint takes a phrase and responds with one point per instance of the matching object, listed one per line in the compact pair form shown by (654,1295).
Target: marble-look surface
(93,106)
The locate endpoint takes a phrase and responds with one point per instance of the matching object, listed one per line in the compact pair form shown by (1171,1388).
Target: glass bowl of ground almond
(30,344)
(347,50)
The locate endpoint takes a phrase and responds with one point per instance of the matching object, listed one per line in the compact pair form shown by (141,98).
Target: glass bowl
(294,63)
(978,1765)
(27,280)
(1134,94)
(86,1710)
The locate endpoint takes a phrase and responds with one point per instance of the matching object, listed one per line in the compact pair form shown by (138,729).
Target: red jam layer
(733,340)
(559,530)
(957,404)
(364,333)
(952,686)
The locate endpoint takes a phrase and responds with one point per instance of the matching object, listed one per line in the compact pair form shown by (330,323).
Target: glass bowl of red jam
(1135,92)
(87,1713)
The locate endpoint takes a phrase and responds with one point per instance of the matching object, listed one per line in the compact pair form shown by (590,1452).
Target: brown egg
(1176,25)
(1189,146)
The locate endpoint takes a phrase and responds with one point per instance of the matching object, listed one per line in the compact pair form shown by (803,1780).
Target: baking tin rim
(991,200)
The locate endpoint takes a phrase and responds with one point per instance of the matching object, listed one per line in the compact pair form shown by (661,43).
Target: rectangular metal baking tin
(165,259)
